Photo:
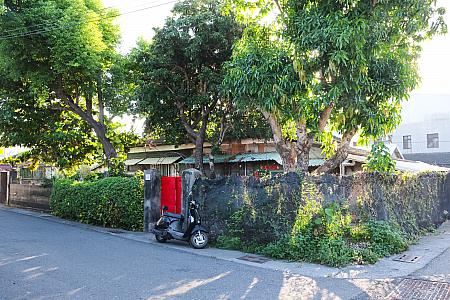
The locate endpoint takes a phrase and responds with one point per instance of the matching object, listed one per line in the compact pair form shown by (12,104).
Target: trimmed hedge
(115,202)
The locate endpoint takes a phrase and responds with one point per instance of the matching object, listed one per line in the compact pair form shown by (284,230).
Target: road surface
(42,259)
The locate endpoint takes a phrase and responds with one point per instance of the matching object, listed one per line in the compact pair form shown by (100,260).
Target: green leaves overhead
(299,59)
(59,58)
(63,139)
(180,71)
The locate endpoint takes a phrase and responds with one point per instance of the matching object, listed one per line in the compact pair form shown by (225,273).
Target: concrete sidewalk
(428,248)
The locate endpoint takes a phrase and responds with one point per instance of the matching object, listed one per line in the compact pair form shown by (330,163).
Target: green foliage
(380,159)
(55,59)
(299,59)
(298,217)
(64,139)
(112,202)
(180,71)
(320,234)
(116,167)
(410,201)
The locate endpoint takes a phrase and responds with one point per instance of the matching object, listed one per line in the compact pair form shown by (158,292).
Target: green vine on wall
(336,221)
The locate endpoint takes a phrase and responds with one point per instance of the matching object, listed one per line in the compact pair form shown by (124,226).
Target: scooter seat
(172,215)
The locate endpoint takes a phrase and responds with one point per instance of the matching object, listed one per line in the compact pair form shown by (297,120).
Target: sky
(434,65)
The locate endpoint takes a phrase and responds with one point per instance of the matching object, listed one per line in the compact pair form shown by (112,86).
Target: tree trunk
(212,169)
(305,139)
(340,155)
(288,156)
(285,149)
(99,128)
(108,148)
(303,145)
(199,153)
(223,129)
(101,106)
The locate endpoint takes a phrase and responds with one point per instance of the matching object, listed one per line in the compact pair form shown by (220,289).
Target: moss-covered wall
(268,207)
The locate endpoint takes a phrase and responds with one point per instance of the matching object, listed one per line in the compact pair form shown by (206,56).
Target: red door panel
(171,193)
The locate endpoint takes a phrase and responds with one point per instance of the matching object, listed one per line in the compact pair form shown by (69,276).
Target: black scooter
(170,226)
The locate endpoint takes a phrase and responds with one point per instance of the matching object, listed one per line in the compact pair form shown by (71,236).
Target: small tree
(380,160)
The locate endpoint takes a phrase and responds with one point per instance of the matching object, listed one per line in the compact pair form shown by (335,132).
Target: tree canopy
(315,68)
(181,71)
(57,57)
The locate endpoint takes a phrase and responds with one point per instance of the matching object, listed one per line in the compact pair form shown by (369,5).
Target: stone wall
(413,201)
(30,196)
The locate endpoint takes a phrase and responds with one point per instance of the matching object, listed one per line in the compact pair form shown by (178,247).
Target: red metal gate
(171,193)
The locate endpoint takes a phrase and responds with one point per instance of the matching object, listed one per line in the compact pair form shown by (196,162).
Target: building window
(433,140)
(407,142)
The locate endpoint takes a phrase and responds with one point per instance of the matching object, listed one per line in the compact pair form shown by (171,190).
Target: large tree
(58,53)
(318,67)
(63,140)
(181,70)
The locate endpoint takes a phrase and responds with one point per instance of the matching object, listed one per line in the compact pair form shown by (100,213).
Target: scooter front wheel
(159,238)
(199,240)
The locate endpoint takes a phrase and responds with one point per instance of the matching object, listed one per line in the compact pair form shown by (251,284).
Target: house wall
(424,114)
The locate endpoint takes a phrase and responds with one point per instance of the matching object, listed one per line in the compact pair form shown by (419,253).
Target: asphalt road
(41,259)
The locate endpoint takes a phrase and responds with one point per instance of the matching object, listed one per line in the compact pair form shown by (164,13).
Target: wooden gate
(171,193)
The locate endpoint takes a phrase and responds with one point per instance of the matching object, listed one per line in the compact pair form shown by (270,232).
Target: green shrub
(112,202)
(380,160)
(323,235)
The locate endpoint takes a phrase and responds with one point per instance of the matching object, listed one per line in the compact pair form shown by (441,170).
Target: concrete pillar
(189,177)
(4,188)
(152,197)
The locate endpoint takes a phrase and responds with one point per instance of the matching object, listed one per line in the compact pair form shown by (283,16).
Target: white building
(424,134)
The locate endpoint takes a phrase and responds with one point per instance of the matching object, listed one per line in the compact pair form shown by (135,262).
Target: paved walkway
(42,257)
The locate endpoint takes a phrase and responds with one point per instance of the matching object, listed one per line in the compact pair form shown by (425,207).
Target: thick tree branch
(89,104)
(101,107)
(191,132)
(340,155)
(286,150)
(276,128)
(205,117)
(325,116)
(303,145)
(277,3)
(99,128)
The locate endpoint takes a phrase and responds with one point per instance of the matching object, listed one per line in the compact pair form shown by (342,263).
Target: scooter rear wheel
(160,239)
(199,240)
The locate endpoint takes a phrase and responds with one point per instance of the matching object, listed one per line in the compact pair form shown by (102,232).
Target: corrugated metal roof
(217,159)
(159,161)
(132,162)
(274,156)
(417,166)
(249,157)
(315,162)
(435,158)
(404,165)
